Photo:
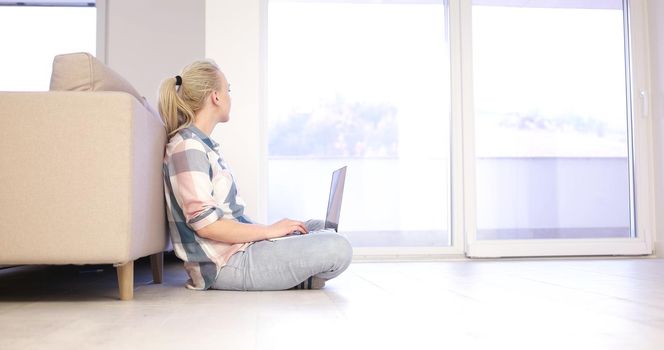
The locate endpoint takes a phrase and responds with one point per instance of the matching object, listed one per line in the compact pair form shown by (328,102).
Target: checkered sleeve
(190,177)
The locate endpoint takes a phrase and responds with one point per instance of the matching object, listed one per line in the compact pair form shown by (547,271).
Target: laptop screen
(334,201)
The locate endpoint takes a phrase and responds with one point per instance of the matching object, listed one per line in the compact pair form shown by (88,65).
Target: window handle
(645,106)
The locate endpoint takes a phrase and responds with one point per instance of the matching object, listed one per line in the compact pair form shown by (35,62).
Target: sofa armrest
(79,171)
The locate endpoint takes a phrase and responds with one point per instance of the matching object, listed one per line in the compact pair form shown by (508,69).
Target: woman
(220,246)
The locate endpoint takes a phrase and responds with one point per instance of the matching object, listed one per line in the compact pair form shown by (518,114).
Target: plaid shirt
(199,190)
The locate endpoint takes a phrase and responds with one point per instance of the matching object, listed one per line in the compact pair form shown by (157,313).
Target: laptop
(334,199)
(333,202)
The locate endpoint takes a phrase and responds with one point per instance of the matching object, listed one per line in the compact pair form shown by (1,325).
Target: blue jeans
(283,264)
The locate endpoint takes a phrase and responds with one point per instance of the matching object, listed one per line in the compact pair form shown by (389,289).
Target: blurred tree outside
(339,128)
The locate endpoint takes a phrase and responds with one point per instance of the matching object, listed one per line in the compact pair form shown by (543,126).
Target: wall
(148,40)
(656,33)
(234,41)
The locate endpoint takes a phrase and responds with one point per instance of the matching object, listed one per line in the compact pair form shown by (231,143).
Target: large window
(552,123)
(513,122)
(33,35)
(362,84)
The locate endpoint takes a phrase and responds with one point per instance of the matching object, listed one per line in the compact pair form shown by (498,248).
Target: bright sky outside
(557,61)
(548,61)
(32,36)
(371,53)
(376,53)
(556,77)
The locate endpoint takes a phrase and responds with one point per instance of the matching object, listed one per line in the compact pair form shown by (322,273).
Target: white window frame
(642,160)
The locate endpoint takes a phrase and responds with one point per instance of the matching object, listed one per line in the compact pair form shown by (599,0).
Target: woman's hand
(232,231)
(284,227)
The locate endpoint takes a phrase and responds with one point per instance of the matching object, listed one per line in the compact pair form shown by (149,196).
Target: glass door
(364,84)
(550,130)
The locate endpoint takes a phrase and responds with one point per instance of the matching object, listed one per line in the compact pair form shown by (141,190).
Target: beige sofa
(80,179)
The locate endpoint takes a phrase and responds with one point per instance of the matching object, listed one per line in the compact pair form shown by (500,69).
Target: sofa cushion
(83,72)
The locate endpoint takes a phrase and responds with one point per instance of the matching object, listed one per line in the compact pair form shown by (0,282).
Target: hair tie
(178,80)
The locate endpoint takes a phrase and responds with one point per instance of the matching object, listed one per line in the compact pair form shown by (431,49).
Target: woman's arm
(231,231)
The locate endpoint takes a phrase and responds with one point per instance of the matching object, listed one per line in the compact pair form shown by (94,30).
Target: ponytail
(178,106)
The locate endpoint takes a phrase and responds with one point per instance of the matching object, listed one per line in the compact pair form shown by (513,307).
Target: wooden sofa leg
(157,263)
(126,280)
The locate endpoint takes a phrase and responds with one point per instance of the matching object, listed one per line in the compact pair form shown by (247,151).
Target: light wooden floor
(464,304)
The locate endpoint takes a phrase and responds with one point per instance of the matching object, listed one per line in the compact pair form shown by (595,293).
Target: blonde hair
(178,106)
